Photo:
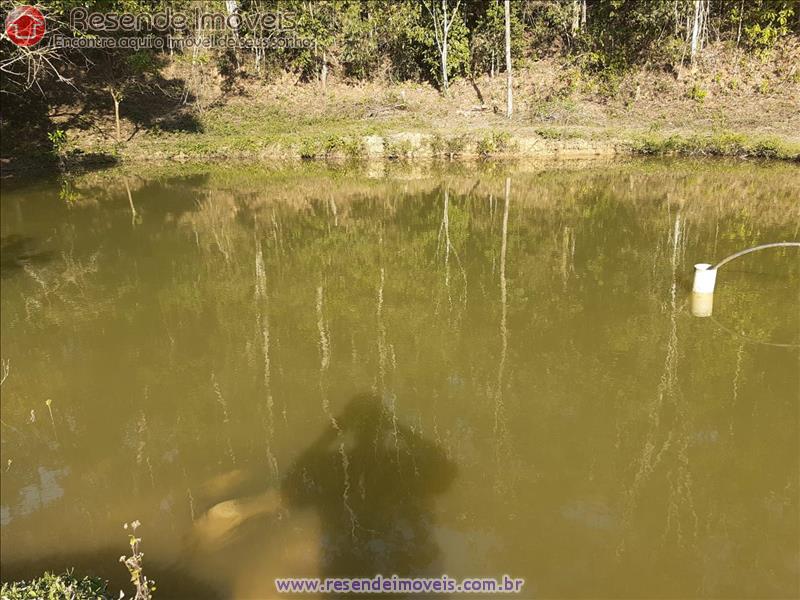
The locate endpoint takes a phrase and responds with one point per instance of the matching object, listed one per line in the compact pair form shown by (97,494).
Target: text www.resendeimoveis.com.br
(395,585)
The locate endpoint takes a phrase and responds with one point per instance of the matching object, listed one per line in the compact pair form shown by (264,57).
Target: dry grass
(755,96)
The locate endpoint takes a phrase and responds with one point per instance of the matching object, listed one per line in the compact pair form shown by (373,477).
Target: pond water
(320,371)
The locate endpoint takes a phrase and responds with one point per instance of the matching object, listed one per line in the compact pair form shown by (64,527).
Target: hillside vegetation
(590,77)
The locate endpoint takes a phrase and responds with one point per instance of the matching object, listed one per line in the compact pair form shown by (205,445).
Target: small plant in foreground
(67,193)
(134,564)
(65,585)
(58,139)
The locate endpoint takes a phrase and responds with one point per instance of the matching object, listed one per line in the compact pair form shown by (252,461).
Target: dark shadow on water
(17,250)
(373,482)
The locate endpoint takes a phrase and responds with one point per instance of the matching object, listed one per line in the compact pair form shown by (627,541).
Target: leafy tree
(449,36)
(124,73)
(769,22)
(416,40)
(318,22)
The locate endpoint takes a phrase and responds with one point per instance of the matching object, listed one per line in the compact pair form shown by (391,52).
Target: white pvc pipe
(705,278)
(702,304)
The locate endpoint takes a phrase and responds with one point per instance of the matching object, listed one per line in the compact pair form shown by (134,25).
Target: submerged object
(702,304)
(705,278)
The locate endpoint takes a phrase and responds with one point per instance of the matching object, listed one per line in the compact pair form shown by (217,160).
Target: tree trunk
(445,32)
(232,7)
(696,24)
(509,76)
(198,37)
(706,10)
(739,30)
(444,64)
(677,17)
(576,17)
(116,100)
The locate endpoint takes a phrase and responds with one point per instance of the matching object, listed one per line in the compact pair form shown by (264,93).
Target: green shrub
(671,52)
(773,148)
(336,145)
(494,143)
(772,25)
(727,144)
(332,144)
(486,146)
(355,148)
(309,149)
(697,93)
(448,147)
(438,145)
(58,138)
(549,133)
(718,144)
(57,587)
(455,145)
(401,149)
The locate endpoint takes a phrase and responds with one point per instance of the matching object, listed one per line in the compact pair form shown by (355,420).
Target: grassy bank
(724,143)
(732,104)
(346,140)
(354,140)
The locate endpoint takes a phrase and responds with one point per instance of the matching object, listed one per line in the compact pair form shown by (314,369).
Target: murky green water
(311,372)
